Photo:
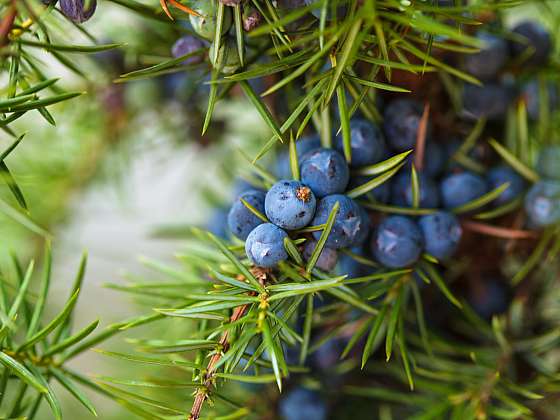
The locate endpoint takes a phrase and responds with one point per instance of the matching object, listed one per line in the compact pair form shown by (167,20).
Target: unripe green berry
(205,24)
(227,59)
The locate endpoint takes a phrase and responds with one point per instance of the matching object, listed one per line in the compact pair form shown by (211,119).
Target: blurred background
(121,162)
(124,160)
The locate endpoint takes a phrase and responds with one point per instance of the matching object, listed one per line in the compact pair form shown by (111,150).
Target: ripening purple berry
(187,45)
(251,19)
(78,11)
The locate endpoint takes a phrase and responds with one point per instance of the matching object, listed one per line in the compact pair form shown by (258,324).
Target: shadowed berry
(241,220)
(548,164)
(434,159)
(78,11)
(488,298)
(401,121)
(303,404)
(327,356)
(487,63)
(490,101)
(397,242)
(290,204)
(351,267)
(327,259)
(452,147)
(186,45)
(367,144)
(534,43)
(462,188)
(265,245)
(531,96)
(205,23)
(303,145)
(347,223)
(227,60)
(442,233)
(500,175)
(325,171)
(218,223)
(401,191)
(542,203)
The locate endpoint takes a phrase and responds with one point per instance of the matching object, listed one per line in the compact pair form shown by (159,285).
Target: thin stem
(203,391)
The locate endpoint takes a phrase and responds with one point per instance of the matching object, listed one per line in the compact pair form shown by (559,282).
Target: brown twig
(421,138)
(202,392)
(499,232)
(6,25)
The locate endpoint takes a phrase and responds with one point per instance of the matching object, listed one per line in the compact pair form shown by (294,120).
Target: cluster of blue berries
(291,205)
(529,46)
(264,219)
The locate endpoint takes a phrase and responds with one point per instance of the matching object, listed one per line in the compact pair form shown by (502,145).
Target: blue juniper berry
(442,233)
(542,203)
(351,267)
(325,171)
(500,175)
(434,159)
(303,404)
(489,101)
(290,204)
(534,43)
(327,259)
(401,191)
(265,245)
(366,142)
(218,223)
(487,63)
(461,188)
(488,298)
(347,223)
(397,242)
(241,220)
(401,121)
